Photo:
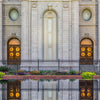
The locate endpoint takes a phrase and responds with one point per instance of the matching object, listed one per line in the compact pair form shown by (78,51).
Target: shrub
(1,74)
(11,80)
(46,80)
(72,80)
(88,75)
(3,81)
(11,73)
(72,72)
(3,68)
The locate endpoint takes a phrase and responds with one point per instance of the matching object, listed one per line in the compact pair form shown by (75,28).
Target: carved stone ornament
(86,34)
(13,34)
(65,5)
(49,6)
(34,5)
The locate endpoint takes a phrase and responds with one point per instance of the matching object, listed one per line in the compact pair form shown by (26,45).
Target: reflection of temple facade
(51,30)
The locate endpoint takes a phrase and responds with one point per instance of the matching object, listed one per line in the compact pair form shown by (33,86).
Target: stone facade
(71,29)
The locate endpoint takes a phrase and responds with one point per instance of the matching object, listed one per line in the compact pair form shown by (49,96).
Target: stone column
(98,89)
(75,93)
(64,87)
(25,90)
(0,32)
(24,32)
(99,32)
(95,89)
(34,32)
(1,92)
(65,31)
(34,92)
(75,32)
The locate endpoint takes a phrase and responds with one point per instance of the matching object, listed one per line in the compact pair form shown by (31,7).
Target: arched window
(50,35)
(14,49)
(86,51)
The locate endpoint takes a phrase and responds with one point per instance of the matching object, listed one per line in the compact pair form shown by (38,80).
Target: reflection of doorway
(86,90)
(14,51)
(14,90)
(86,51)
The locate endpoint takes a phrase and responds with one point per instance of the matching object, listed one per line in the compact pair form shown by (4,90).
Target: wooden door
(14,51)
(86,52)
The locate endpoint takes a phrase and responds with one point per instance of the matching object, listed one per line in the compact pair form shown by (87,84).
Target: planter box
(18,77)
(96,77)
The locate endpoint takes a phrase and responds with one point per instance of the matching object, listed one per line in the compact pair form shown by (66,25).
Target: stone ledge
(18,77)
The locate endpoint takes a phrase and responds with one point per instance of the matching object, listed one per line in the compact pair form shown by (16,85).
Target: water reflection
(40,89)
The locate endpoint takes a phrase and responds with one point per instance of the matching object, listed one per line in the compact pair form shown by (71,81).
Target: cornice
(75,0)
(24,0)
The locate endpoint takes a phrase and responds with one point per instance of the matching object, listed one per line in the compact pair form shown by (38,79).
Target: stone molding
(65,5)
(34,4)
(24,0)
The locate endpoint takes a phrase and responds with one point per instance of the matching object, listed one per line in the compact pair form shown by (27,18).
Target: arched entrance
(86,51)
(13,51)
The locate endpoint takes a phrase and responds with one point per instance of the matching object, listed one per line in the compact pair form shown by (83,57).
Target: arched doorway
(86,51)
(13,51)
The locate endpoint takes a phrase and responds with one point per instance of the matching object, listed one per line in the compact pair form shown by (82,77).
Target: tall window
(50,35)
(14,51)
(86,90)
(14,90)
(86,51)
(50,91)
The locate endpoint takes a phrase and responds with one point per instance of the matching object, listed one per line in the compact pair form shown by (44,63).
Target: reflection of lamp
(83,90)
(17,90)
(88,90)
(11,90)
(88,94)
(82,54)
(82,94)
(89,54)
(11,94)
(17,94)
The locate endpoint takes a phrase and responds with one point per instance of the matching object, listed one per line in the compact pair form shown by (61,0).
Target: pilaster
(1,92)
(75,90)
(75,32)
(25,90)
(99,31)
(24,31)
(65,31)
(1,32)
(34,32)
